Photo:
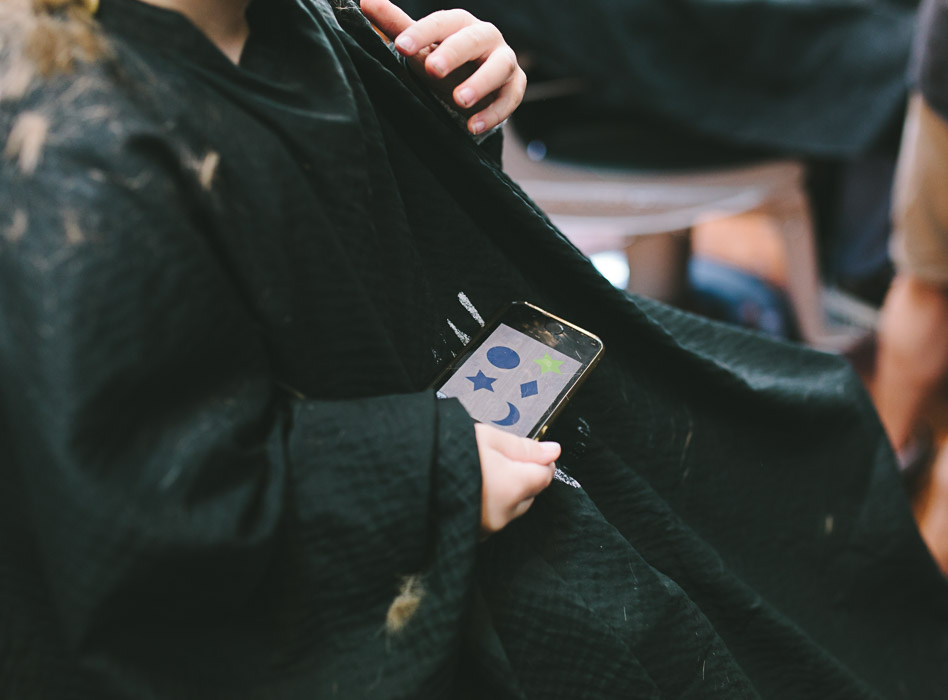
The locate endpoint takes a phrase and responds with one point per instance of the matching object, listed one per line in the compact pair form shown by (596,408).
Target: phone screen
(514,380)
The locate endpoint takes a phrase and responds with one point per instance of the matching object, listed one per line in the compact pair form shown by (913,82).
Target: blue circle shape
(503,357)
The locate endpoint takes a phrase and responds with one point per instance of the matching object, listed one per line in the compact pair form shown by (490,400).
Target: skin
(514,470)
(469,62)
(464,59)
(224,22)
(912,362)
(912,358)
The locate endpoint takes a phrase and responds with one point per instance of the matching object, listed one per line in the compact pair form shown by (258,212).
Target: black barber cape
(223,293)
(672,83)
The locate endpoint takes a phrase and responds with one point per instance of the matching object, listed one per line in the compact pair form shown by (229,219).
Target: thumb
(388,18)
(527,450)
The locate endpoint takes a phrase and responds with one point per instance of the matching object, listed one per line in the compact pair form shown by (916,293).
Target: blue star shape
(482,381)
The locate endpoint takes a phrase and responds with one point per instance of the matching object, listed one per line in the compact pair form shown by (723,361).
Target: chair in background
(648,215)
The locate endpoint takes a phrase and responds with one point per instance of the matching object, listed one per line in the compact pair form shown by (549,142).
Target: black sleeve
(929,65)
(167,479)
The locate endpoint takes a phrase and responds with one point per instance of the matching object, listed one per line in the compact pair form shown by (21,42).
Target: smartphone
(521,370)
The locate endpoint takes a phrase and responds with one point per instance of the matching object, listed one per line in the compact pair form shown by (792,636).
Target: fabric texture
(930,55)
(224,292)
(655,84)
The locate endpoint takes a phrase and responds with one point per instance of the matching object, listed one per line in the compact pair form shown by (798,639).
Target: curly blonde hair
(44,38)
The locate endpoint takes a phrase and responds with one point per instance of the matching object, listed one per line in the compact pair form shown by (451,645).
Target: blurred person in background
(912,359)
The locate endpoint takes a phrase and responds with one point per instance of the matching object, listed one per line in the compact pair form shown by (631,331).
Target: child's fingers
(470,43)
(491,76)
(519,449)
(533,478)
(508,98)
(432,29)
(389,18)
(522,449)
(457,42)
(520,508)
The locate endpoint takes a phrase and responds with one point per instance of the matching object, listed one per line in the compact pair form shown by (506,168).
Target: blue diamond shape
(529,389)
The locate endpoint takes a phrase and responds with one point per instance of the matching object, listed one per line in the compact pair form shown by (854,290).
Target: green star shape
(548,364)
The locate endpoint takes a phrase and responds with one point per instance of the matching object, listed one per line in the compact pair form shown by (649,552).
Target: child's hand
(460,56)
(513,471)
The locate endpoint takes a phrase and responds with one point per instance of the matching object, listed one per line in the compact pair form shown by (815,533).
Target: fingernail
(437,65)
(551,449)
(465,97)
(477,127)
(405,43)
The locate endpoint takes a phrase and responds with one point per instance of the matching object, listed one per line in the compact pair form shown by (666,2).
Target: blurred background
(737,158)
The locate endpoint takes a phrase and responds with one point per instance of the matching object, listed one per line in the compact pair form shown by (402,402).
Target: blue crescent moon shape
(511,418)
